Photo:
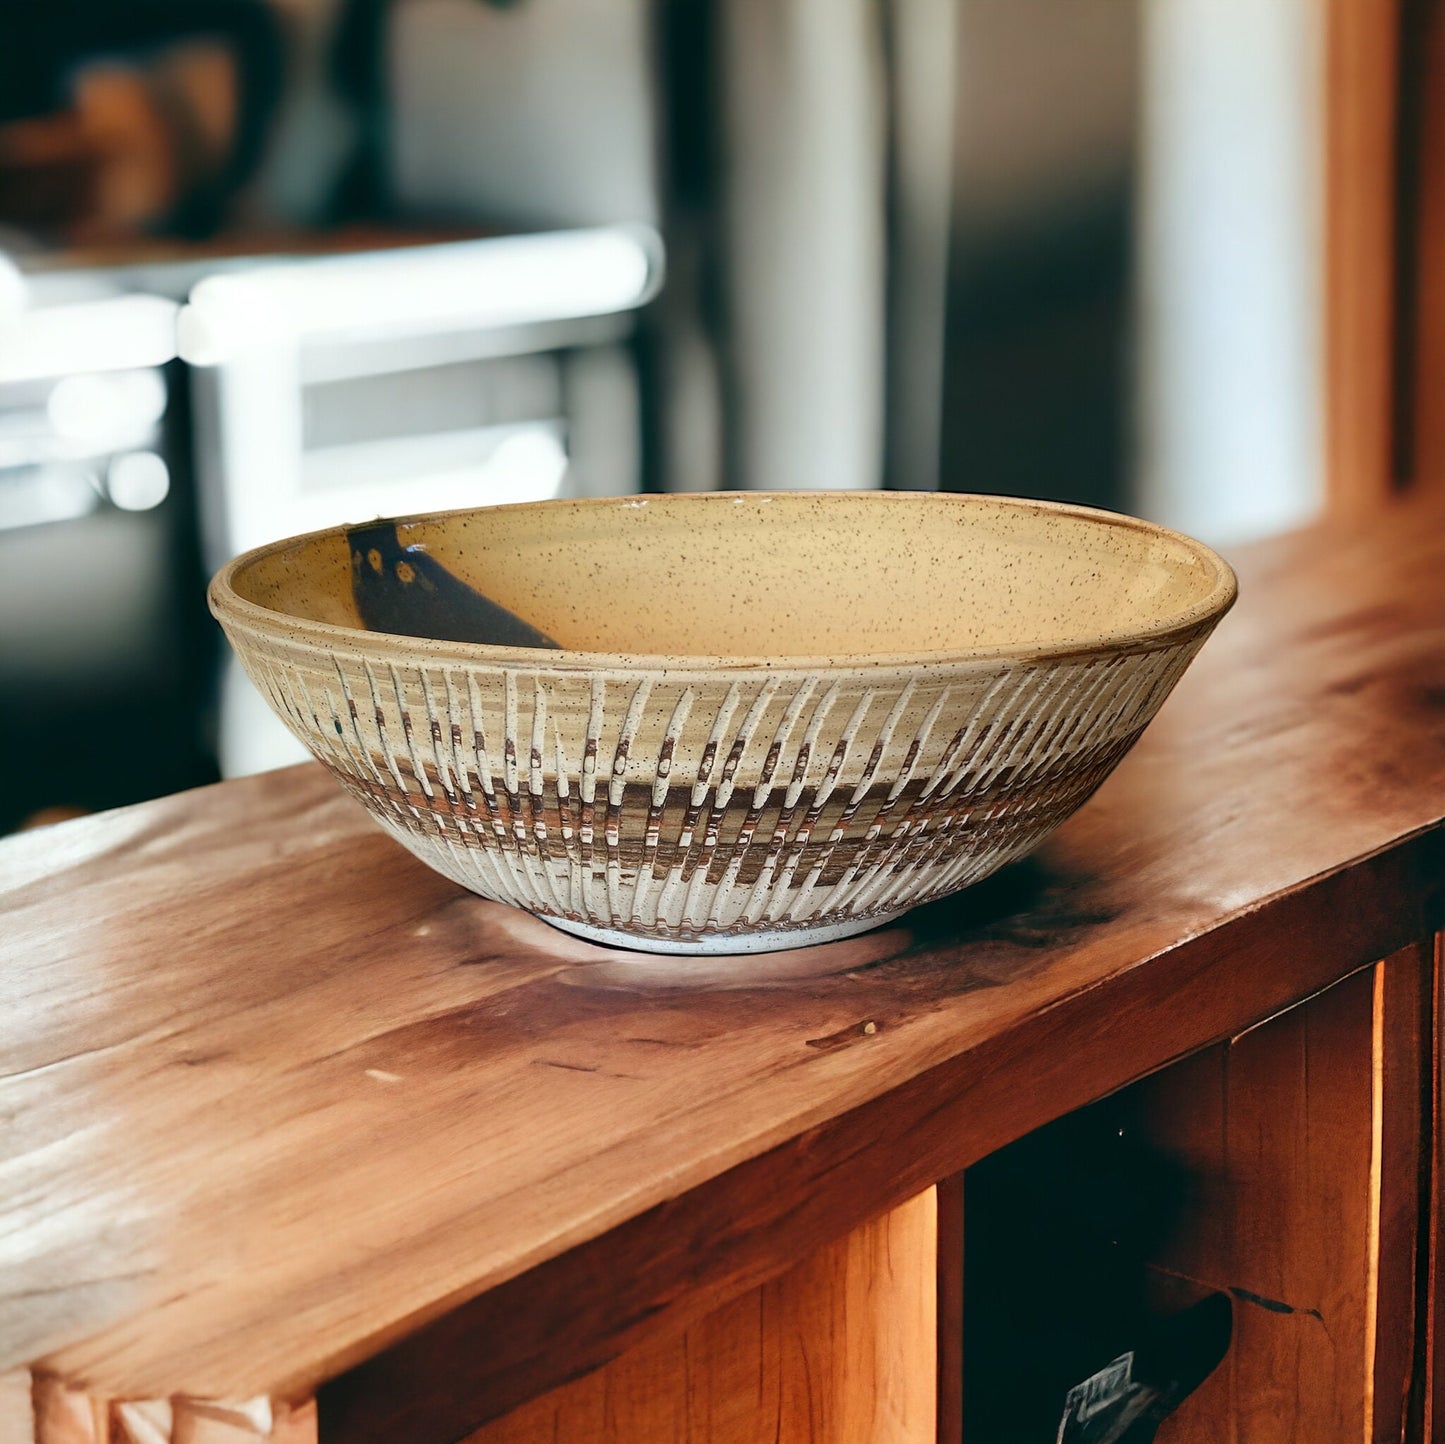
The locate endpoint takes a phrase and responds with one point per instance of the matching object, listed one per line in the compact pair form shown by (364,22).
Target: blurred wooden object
(1384,251)
(1423,210)
(288,1115)
(1361,89)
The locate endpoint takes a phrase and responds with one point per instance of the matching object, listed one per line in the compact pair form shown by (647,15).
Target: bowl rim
(230,608)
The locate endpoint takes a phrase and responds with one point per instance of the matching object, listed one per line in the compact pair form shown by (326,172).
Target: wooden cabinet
(1288,1168)
(298,1140)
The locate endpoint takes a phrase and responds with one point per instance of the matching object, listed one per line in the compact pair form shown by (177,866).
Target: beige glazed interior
(736,723)
(793,575)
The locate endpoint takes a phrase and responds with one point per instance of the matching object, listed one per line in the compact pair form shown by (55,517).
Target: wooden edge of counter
(683,1259)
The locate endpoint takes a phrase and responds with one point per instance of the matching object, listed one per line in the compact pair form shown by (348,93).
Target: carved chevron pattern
(681,808)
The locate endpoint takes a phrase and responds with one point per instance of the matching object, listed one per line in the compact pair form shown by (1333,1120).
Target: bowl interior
(781,575)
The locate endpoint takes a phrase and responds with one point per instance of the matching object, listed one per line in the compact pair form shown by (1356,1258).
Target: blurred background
(266,265)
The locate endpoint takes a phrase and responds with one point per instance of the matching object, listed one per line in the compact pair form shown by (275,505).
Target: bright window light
(119,333)
(528,466)
(469,285)
(113,407)
(138,480)
(485,466)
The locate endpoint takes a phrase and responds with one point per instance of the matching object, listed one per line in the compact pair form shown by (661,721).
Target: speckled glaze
(771,718)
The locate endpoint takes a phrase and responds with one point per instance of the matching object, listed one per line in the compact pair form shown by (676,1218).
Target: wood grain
(1306,1140)
(839,1348)
(281,1101)
(1361,101)
(586,1305)
(1406,1049)
(950,1310)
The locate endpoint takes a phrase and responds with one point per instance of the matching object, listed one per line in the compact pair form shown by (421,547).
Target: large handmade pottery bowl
(723,723)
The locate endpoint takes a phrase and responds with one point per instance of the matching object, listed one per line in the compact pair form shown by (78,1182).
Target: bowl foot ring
(759,940)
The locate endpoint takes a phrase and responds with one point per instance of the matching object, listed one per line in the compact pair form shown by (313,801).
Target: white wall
(805,148)
(1230,257)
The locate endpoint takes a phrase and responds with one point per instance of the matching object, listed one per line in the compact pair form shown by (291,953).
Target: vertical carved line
(777,847)
(499,814)
(870,855)
(566,824)
(1032,719)
(510,777)
(272,667)
(685,854)
(919,848)
(536,796)
(587,791)
(786,903)
(875,758)
(437,726)
(488,864)
(1062,724)
(957,779)
(482,761)
(1171,668)
(523,844)
(387,753)
(322,739)
(1131,699)
(271,684)
(722,894)
(721,797)
(457,759)
(337,750)
(891,867)
(528,861)
(616,788)
(646,892)
(961,755)
(403,710)
(1000,736)
(490,860)
(365,761)
(465,867)
(804,908)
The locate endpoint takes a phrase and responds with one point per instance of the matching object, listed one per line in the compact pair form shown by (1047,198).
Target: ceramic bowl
(723,723)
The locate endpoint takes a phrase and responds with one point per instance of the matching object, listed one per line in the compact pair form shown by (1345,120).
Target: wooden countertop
(274,1096)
